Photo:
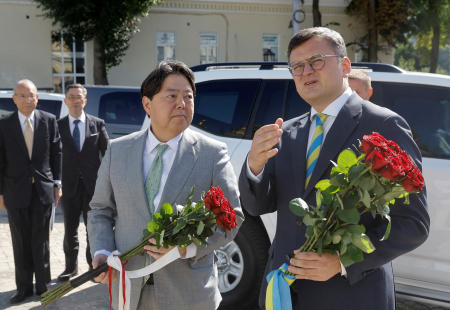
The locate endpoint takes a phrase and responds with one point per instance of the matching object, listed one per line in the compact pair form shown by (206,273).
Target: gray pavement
(89,296)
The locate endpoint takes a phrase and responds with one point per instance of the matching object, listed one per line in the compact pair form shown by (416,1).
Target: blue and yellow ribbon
(278,294)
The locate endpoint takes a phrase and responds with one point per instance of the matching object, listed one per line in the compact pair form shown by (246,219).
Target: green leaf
(345,259)
(181,223)
(319,247)
(298,206)
(355,172)
(196,241)
(323,184)
(366,198)
(350,200)
(336,238)
(338,179)
(200,227)
(327,239)
(388,228)
(367,182)
(157,216)
(346,159)
(362,241)
(161,238)
(152,226)
(347,238)
(166,209)
(343,250)
(349,215)
(318,198)
(190,196)
(308,220)
(355,253)
(356,229)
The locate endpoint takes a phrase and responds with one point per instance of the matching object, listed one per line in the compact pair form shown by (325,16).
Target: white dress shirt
(81,127)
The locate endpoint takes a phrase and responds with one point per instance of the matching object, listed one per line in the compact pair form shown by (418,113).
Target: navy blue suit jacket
(369,284)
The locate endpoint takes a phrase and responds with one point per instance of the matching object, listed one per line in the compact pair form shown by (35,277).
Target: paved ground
(90,296)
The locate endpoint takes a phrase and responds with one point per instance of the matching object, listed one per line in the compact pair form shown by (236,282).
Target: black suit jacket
(369,284)
(82,165)
(17,170)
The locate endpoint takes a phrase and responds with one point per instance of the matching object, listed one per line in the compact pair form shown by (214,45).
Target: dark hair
(153,82)
(333,37)
(76,85)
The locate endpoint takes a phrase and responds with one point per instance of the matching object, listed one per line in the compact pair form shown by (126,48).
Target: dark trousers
(30,239)
(72,208)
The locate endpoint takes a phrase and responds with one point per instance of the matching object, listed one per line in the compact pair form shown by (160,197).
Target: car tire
(252,247)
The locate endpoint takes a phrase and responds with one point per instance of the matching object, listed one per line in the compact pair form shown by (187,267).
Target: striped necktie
(314,148)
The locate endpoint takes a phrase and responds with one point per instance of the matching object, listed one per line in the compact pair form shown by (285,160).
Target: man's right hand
(98,260)
(2,203)
(263,143)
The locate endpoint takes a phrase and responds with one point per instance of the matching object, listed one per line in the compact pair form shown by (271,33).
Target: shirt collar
(82,118)
(22,118)
(334,107)
(153,142)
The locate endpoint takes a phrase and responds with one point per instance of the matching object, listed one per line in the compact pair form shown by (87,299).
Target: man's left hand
(57,193)
(156,253)
(311,266)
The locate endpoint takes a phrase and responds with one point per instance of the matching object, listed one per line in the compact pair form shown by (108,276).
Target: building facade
(192,31)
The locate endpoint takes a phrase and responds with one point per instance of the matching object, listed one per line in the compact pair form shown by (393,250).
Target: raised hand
(263,143)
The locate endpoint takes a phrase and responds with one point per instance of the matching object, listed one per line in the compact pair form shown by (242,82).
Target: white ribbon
(115,262)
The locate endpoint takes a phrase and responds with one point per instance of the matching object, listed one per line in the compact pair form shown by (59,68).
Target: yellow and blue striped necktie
(314,148)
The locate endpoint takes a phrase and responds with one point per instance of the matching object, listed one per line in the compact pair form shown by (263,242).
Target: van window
(223,107)
(52,106)
(122,108)
(425,108)
(295,105)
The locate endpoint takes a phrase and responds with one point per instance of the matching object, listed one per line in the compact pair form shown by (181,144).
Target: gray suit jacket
(120,214)
(369,284)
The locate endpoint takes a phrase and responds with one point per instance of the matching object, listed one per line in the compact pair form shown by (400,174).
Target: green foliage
(112,22)
(332,225)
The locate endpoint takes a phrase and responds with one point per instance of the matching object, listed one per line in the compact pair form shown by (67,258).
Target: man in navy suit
(275,172)
(84,141)
(30,174)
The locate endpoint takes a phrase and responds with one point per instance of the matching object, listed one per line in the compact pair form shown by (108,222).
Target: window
(295,105)
(270,106)
(208,47)
(121,108)
(425,108)
(165,45)
(270,47)
(68,61)
(223,107)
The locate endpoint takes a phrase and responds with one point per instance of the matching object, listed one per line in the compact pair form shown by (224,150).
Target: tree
(109,23)
(317,16)
(388,18)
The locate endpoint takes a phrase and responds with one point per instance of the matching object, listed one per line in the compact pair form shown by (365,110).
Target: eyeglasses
(22,96)
(75,97)
(316,62)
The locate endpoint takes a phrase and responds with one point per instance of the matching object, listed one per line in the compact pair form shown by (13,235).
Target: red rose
(376,159)
(407,162)
(413,181)
(226,220)
(213,200)
(394,170)
(369,142)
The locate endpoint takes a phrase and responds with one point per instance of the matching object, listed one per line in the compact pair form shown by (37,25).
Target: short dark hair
(333,37)
(76,85)
(153,82)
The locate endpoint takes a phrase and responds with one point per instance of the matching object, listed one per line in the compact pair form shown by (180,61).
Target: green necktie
(314,148)
(153,178)
(152,182)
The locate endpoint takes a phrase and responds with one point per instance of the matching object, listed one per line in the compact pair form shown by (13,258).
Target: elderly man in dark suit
(30,174)
(84,141)
(272,176)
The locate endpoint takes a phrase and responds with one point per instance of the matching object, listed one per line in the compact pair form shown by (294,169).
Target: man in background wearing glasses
(30,174)
(287,159)
(84,142)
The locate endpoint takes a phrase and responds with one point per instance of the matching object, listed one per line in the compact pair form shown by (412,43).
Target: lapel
(89,129)
(298,134)
(133,172)
(66,134)
(39,122)
(18,129)
(342,128)
(182,166)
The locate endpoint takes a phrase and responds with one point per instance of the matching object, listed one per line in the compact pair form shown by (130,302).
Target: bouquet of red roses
(180,226)
(368,183)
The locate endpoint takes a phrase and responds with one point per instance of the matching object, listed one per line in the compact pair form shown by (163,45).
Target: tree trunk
(100,77)
(373,32)
(317,16)
(435,40)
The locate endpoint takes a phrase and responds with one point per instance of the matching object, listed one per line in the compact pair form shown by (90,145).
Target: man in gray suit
(272,176)
(122,203)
